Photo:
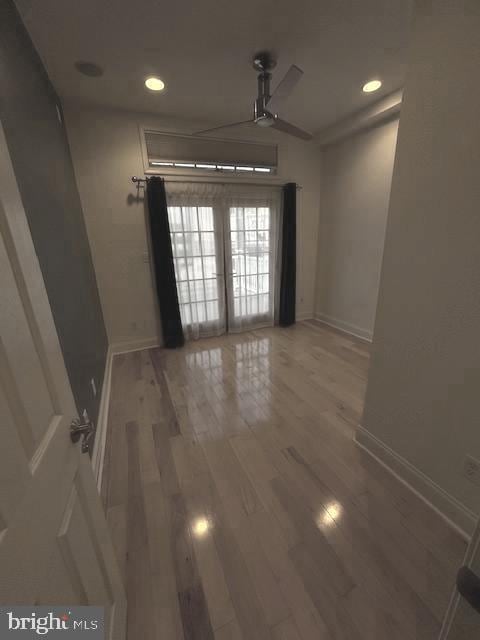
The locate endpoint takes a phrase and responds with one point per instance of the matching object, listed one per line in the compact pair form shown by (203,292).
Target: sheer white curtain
(252,227)
(225,240)
(195,215)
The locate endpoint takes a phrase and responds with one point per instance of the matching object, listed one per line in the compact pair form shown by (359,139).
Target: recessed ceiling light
(154,84)
(373,85)
(89,69)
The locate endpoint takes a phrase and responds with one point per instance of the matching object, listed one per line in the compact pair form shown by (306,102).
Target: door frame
(453,607)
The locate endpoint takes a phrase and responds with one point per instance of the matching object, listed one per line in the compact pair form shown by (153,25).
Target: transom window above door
(173,152)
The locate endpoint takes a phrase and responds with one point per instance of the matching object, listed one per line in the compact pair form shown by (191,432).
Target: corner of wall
(351,329)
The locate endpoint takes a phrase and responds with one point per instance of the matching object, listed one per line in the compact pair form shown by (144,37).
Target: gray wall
(41,159)
(422,398)
(356,180)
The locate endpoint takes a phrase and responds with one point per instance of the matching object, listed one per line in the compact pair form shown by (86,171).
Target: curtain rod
(138,180)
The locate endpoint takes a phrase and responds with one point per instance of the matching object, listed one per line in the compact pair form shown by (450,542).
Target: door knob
(468,584)
(84,430)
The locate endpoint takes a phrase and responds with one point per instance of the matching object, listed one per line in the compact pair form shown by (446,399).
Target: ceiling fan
(266,106)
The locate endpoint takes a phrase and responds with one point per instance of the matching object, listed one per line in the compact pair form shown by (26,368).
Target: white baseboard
(98,455)
(449,508)
(351,329)
(304,315)
(102,420)
(134,345)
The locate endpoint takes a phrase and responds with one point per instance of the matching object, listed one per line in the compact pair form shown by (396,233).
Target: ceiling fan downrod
(264,63)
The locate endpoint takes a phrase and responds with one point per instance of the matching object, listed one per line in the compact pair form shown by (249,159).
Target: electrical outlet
(94,387)
(471,469)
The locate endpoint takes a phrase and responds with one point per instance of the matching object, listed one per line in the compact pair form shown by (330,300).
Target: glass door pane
(197,244)
(250,260)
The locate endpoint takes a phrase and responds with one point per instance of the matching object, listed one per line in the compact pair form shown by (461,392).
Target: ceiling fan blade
(286,127)
(223,126)
(284,88)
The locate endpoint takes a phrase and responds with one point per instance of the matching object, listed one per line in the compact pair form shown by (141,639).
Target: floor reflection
(200,527)
(253,378)
(329,516)
(236,380)
(205,359)
(210,362)
(252,359)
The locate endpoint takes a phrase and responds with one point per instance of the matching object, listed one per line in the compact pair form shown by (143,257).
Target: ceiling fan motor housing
(261,115)
(265,120)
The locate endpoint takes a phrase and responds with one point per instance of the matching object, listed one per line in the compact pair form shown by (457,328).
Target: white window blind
(189,152)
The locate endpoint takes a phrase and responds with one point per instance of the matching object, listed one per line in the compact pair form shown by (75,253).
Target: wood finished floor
(241,508)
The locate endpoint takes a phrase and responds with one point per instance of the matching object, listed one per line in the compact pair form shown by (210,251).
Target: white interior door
(462,621)
(55,548)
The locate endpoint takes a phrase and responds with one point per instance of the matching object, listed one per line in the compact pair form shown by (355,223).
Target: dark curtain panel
(288,275)
(163,264)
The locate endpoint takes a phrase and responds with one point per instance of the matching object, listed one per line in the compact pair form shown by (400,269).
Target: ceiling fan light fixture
(265,120)
(372,85)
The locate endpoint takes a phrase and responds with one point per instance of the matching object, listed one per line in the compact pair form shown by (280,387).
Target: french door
(250,258)
(224,250)
(198,255)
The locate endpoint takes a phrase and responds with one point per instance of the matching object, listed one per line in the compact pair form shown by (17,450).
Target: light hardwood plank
(241,508)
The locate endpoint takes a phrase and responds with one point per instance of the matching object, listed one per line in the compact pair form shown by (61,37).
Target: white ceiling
(202,49)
